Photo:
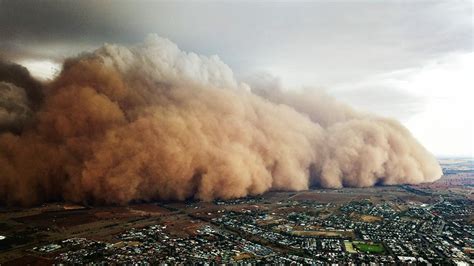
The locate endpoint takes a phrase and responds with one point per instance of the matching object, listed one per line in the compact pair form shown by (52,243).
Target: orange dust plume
(152,122)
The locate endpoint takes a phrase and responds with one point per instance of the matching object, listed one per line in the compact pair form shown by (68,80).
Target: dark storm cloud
(52,21)
(238,31)
(20,77)
(20,94)
(47,29)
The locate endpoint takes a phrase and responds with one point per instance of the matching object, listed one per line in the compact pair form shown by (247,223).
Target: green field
(375,248)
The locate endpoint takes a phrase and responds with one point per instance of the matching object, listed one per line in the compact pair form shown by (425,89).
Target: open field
(373,248)
(366,218)
(323,233)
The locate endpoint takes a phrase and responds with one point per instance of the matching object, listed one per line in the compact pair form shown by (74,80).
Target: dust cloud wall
(152,122)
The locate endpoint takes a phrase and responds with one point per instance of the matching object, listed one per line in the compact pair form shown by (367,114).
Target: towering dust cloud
(152,122)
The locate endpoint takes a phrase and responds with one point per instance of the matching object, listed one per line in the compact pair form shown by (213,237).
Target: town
(357,232)
(312,227)
(423,224)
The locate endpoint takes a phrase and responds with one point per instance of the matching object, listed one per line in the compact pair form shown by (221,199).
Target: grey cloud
(20,77)
(315,35)
(20,95)
(384,100)
(14,107)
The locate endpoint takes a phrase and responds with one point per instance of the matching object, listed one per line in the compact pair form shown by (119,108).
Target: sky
(410,60)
